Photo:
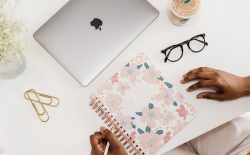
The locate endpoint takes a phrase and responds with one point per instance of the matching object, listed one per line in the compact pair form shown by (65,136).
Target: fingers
(200,69)
(102,129)
(199,73)
(197,76)
(115,146)
(208,78)
(211,95)
(94,139)
(203,84)
(107,134)
(94,143)
(98,143)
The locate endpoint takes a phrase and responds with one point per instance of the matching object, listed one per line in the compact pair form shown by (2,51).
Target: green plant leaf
(133,126)
(169,85)
(146,65)
(175,103)
(159,132)
(161,78)
(132,117)
(150,106)
(139,66)
(186,1)
(148,129)
(140,131)
(139,113)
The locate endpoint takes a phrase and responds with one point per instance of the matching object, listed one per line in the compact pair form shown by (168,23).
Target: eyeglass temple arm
(164,50)
(201,41)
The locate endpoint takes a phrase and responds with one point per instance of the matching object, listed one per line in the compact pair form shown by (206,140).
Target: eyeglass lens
(197,44)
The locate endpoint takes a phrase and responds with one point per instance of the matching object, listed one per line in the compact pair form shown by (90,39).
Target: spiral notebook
(141,107)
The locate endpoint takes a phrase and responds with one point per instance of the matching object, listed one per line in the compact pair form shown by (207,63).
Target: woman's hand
(99,142)
(226,86)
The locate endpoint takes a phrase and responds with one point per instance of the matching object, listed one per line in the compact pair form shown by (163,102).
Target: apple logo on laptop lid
(97,23)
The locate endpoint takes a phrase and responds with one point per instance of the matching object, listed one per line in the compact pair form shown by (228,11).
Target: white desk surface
(226,23)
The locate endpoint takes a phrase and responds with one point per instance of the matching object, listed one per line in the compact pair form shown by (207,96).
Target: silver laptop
(86,35)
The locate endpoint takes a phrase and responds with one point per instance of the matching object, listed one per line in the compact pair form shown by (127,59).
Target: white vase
(12,65)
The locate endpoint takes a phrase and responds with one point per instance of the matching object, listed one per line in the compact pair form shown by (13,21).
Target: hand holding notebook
(141,107)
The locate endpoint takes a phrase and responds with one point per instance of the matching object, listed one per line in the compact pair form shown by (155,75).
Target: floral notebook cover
(145,104)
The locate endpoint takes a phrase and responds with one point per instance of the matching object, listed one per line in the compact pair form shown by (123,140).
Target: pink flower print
(150,116)
(179,125)
(122,88)
(113,102)
(182,112)
(165,95)
(150,141)
(191,108)
(168,117)
(125,121)
(131,72)
(141,58)
(133,134)
(151,74)
(179,98)
(104,87)
(114,79)
(167,137)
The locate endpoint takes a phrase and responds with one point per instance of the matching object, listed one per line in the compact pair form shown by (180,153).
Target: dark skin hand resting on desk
(224,86)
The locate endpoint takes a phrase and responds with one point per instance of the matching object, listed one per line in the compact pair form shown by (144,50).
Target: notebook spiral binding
(109,120)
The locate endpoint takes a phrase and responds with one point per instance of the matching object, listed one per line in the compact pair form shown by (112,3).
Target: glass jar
(12,65)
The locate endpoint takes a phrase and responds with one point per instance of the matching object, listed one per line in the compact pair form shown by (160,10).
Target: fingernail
(185,75)
(102,129)
(189,90)
(182,81)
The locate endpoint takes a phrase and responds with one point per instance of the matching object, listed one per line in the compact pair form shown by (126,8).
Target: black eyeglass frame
(171,48)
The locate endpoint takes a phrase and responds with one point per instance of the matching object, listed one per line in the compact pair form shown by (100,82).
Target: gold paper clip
(38,101)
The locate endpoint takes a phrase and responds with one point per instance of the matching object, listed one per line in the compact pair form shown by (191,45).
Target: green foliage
(169,85)
(133,125)
(140,131)
(161,78)
(150,106)
(139,113)
(159,132)
(146,65)
(186,1)
(139,66)
(148,129)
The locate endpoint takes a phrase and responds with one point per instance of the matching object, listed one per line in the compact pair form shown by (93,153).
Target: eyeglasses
(196,44)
